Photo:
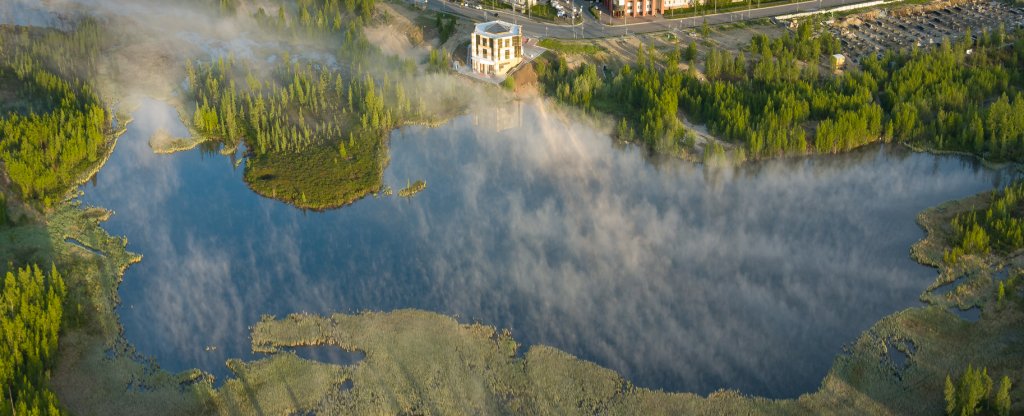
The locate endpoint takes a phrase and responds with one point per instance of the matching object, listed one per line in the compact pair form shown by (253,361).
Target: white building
(496,47)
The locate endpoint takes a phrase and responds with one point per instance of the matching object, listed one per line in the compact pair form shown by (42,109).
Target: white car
(479,7)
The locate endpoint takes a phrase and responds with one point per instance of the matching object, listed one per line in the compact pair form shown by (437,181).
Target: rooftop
(497,27)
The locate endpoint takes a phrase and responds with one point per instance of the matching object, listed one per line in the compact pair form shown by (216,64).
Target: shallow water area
(328,354)
(970,314)
(676,276)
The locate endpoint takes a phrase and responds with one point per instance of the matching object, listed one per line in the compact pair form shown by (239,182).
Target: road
(590,28)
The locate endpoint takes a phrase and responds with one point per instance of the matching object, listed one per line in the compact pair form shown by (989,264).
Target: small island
(412,189)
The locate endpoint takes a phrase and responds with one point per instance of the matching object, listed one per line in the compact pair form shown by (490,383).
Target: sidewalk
(630,20)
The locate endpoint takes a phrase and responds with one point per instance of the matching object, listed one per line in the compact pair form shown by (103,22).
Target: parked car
(479,7)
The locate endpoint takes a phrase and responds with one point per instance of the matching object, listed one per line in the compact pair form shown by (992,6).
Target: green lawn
(570,47)
(544,11)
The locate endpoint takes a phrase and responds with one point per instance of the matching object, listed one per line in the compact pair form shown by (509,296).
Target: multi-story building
(621,8)
(496,47)
(675,4)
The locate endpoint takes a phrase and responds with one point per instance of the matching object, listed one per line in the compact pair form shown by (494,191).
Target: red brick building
(632,8)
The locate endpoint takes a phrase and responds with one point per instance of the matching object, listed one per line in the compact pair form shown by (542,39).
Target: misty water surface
(676,277)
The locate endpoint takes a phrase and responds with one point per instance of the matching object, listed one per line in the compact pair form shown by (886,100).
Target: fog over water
(677,277)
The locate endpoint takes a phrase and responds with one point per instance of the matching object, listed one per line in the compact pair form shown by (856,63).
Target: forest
(647,98)
(785,97)
(53,127)
(30,319)
(315,16)
(973,395)
(997,229)
(316,134)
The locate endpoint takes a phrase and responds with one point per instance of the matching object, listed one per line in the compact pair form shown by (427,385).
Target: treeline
(323,16)
(777,100)
(56,128)
(30,316)
(761,102)
(972,394)
(646,97)
(1000,227)
(963,96)
(299,106)
(70,55)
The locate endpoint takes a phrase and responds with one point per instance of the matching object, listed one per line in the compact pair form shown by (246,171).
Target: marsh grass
(318,178)
(412,189)
(163,143)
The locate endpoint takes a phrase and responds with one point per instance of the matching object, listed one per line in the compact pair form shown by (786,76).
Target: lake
(677,276)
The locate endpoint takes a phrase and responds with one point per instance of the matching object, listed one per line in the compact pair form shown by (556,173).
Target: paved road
(591,28)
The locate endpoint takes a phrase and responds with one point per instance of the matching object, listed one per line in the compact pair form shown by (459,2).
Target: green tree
(1001,404)
(950,394)
(509,83)
(30,318)
(3,209)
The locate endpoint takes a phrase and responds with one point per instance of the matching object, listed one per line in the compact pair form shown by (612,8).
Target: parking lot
(878,31)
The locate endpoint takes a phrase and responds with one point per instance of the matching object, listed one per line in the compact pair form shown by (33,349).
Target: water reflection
(752,281)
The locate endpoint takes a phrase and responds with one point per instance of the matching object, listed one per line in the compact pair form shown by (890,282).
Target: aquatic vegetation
(163,143)
(318,178)
(96,371)
(412,189)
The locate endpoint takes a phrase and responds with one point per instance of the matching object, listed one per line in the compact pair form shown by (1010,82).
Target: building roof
(497,28)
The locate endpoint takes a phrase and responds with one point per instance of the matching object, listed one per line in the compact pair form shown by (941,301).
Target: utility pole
(693,22)
(583,24)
